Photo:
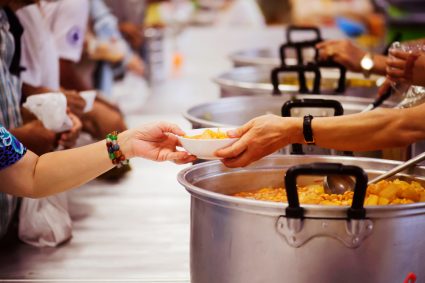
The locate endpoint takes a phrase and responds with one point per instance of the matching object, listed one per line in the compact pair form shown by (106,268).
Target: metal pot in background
(236,111)
(239,240)
(248,81)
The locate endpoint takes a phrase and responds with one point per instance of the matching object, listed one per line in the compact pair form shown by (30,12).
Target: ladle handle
(356,211)
(401,167)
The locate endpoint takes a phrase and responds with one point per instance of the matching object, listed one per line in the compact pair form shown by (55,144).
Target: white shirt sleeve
(67,20)
(38,50)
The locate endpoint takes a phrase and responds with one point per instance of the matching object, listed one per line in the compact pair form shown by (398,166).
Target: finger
(238,132)
(323,55)
(234,150)
(400,54)
(242,160)
(394,73)
(176,155)
(396,63)
(326,43)
(171,128)
(188,159)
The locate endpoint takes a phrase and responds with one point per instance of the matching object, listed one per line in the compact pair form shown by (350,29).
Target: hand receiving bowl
(203,143)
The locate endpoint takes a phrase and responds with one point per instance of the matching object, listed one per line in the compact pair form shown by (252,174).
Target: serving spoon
(338,184)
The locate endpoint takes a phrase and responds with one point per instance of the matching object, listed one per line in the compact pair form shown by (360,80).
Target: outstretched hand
(155,141)
(259,137)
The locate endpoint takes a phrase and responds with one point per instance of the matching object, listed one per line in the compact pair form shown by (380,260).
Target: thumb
(170,128)
(238,132)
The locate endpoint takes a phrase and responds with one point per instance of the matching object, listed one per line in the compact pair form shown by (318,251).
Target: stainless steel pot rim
(247,204)
(228,79)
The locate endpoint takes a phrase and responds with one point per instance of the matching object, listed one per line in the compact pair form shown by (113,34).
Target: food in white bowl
(203,143)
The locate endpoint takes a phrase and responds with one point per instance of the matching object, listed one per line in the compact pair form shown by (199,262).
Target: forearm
(70,78)
(373,130)
(28,90)
(56,172)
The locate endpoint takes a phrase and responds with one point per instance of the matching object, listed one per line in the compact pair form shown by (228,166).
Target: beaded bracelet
(115,154)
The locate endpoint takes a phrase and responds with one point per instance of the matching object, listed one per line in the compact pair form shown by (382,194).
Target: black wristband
(307,130)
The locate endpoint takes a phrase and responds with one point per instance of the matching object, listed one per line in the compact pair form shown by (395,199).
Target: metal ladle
(338,184)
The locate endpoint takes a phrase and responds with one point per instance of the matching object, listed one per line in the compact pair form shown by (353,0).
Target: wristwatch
(307,130)
(367,64)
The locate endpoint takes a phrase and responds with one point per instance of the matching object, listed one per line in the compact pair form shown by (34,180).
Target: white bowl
(205,148)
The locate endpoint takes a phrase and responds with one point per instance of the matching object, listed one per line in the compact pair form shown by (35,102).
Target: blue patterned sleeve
(11,150)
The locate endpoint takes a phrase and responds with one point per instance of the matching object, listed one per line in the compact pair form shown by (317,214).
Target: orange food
(382,193)
(209,135)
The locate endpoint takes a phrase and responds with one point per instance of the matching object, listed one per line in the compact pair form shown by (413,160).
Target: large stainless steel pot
(236,240)
(235,111)
(257,81)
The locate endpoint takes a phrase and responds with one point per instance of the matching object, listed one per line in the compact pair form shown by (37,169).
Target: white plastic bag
(50,109)
(89,97)
(45,222)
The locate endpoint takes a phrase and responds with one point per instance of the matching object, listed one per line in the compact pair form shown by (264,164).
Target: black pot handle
(294,29)
(312,102)
(298,46)
(356,211)
(307,103)
(301,70)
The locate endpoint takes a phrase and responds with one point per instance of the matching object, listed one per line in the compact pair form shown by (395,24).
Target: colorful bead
(114,152)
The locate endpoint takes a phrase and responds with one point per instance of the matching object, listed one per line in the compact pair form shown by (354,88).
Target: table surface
(138,229)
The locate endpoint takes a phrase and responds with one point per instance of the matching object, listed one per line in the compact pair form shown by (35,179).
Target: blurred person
(34,134)
(347,53)
(52,44)
(130,15)
(106,37)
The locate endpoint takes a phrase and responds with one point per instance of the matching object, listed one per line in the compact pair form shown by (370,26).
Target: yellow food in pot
(209,134)
(382,193)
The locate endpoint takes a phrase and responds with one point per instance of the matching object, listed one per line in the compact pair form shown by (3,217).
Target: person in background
(68,20)
(354,58)
(130,15)
(106,36)
(33,133)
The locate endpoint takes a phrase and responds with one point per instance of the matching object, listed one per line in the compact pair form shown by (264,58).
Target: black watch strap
(307,130)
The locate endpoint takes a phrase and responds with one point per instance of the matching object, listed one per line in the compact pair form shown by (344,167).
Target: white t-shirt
(39,54)
(67,20)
